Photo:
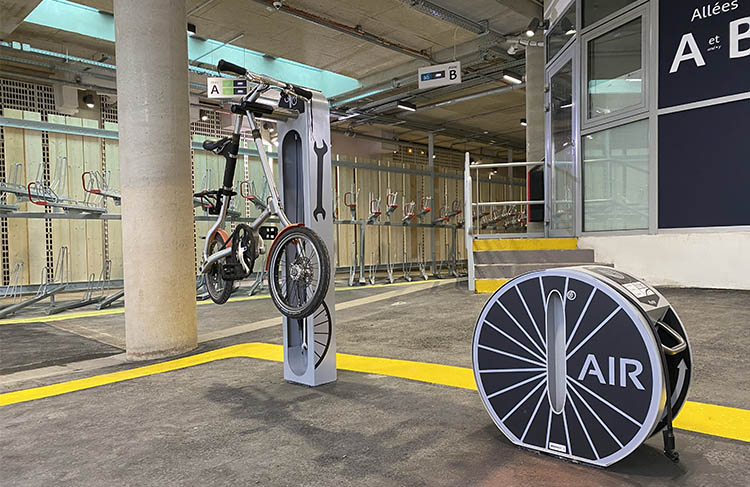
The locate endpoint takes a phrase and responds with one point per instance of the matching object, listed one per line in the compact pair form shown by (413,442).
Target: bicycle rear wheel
(300,271)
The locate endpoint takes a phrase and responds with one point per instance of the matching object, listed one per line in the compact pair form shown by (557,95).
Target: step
(509,271)
(562,257)
(480,245)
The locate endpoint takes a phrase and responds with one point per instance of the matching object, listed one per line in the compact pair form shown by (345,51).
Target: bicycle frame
(274,206)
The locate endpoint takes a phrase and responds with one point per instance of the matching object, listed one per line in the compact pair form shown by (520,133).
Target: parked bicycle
(298,261)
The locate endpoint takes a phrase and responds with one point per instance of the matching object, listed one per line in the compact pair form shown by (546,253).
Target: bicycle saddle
(217,146)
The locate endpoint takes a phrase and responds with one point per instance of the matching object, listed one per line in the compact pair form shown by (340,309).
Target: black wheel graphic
(322,323)
(566,365)
(299,272)
(218,289)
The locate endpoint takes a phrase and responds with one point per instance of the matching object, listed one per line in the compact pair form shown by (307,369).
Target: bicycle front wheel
(300,271)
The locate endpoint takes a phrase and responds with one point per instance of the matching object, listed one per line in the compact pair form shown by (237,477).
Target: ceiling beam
(13,13)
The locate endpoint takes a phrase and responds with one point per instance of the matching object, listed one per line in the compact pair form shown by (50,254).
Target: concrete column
(157,214)
(535,111)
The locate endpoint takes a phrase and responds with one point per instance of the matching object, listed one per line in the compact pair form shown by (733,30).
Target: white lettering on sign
(695,54)
(591,367)
(715,9)
(735,37)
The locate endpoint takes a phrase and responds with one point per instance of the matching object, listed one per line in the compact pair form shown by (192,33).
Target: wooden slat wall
(114,227)
(18,236)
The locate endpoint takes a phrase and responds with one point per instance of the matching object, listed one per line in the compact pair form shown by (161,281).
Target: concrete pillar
(157,214)
(535,111)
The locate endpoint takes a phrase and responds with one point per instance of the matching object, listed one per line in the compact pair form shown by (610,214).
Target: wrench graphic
(320,152)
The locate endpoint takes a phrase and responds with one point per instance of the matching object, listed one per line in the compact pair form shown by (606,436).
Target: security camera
(277,4)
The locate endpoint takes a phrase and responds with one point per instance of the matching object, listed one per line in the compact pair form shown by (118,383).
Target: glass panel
(562,182)
(615,70)
(595,10)
(615,178)
(562,32)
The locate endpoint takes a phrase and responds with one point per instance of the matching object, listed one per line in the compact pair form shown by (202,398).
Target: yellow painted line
(117,311)
(710,419)
(489,285)
(525,244)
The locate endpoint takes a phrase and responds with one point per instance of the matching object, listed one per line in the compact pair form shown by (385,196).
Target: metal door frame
(569,54)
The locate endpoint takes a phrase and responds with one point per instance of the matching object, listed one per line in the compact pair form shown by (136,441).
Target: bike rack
(408,211)
(12,290)
(391,202)
(109,300)
(252,195)
(52,194)
(88,296)
(426,208)
(47,289)
(258,285)
(99,185)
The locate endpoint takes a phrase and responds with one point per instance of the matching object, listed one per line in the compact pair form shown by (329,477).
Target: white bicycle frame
(274,205)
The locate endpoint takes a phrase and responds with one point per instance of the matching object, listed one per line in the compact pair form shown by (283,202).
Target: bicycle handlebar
(223,65)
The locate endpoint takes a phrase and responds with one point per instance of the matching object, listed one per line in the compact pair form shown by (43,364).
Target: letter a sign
(704,50)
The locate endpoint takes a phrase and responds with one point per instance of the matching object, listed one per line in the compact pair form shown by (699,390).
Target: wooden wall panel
(77,251)
(58,149)
(18,237)
(92,161)
(395,181)
(114,227)
(346,232)
(36,227)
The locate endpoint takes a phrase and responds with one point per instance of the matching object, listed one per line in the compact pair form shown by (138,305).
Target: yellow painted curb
(525,244)
(489,285)
(710,419)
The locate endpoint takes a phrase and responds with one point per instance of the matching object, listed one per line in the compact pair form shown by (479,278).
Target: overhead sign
(440,75)
(703,49)
(226,87)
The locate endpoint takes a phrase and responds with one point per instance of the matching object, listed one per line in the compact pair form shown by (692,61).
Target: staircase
(496,261)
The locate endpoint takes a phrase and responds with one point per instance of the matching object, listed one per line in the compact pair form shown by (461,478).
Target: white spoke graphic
(597,417)
(531,352)
(536,388)
(497,371)
(533,415)
(567,434)
(533,321)
(614,408)
(585,308)
(515,386)
(585,431)
(490,349)
(520,327)
(594,332)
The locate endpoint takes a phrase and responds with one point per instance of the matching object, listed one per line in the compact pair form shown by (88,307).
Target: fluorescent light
(347,116)
(405,105)
(523,122)
(569,105)
(512,79)
(570,32)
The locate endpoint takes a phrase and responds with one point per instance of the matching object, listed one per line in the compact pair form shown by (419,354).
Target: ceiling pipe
(356,31)
(473,96)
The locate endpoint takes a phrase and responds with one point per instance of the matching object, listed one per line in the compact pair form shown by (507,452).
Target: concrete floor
(236,421)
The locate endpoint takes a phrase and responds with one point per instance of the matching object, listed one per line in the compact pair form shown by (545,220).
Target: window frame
(641,12)
(574,4)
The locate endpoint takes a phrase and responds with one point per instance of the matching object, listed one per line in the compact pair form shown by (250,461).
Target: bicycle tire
(218,289)
(277,281)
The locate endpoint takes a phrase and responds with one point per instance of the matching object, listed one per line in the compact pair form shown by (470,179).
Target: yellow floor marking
(489,285)
(525,244)
(117,311)
(710,419)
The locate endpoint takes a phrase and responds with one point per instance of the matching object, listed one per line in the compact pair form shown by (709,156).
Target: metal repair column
(305,176)
(157,213)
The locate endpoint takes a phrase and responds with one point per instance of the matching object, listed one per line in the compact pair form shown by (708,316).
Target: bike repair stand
(305,191)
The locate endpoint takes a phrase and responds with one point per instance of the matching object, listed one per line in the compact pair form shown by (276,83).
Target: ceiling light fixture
(512,79)
(523,122)
(191,29)
(405,105)
(534,26)
(204,115)
(88,99)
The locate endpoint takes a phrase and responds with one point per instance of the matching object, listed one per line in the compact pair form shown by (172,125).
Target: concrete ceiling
(281,34)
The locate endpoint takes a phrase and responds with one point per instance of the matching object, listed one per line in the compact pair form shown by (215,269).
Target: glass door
(562,147)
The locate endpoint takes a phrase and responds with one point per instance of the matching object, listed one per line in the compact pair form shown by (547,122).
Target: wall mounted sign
(704,50)
(226,87)
(440,75)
